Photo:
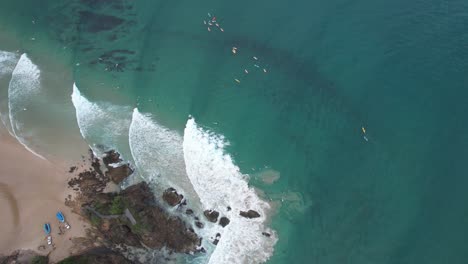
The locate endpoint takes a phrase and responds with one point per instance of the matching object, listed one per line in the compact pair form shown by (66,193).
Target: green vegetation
(40,260)
(117,206)
(139,227)
(101,208)
(95,220)
(74,260)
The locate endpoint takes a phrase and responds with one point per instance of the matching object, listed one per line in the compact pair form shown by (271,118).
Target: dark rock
(224,221)
(211,215)
(121,234)
(171,197)
(156,228)
(111,157)
(189,211)
(100,255)
(117,175)
(266,234)
(216,240)
(250,214)
(23,256)
(229,208)
(73,169)
(199,224)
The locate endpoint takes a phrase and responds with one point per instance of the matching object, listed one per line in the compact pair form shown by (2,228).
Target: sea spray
(22,89)
(221,185)
(158,155)
(103,125)
(8,62)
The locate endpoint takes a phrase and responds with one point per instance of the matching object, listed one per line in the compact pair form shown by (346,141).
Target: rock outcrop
(116,173)
(155,227)
(24,257)
(131,217)
(249,214)
(224,221)
(100,255)
(211,215)
(171,197)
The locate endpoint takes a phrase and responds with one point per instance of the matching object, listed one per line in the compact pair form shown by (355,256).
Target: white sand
(31,192)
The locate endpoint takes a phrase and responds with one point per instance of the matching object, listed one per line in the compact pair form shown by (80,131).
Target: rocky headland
(127,218)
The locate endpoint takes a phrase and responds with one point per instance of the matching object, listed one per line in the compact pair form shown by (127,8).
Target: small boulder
(189,212)
(224,221)
(111,157)
(171,197)
(249,214)
(73,169)
(118,174)
(199,224)
(266,234)
(211,215)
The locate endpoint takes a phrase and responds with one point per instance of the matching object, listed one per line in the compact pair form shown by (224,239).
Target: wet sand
(31,192)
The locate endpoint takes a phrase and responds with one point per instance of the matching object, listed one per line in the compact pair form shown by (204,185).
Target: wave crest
(24,85)
(219,183)
(158,154)
(8,62)
(104,126)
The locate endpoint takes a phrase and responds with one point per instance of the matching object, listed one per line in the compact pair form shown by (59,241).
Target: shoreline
(32,190)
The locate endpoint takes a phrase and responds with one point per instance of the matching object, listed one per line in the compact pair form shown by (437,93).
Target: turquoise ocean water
(326,70)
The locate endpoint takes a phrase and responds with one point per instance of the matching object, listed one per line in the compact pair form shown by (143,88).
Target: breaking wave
(23,87)
(104,126)
(220,184)
(8,61)
(158,155)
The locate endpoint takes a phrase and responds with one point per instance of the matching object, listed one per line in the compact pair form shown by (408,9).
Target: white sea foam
(8,61)
(219,184)
(158,155)
(23,87)
(104,126)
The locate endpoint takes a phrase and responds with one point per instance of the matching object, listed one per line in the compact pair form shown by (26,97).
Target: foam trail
(8,61)
(24,85)
(219,183)
(157,152)
(102,125)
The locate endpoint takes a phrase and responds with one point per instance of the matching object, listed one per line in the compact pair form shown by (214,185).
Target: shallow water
(332,67)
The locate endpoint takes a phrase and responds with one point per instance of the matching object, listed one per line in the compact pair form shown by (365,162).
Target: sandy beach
(31,192)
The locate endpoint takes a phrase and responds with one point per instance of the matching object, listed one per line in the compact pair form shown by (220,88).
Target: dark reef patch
(95,22)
